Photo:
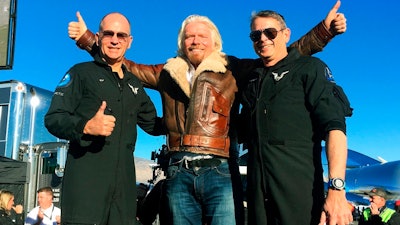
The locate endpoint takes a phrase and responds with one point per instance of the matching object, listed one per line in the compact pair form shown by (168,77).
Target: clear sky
(364,60)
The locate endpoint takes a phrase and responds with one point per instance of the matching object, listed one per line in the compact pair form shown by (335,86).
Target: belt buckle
(188,164)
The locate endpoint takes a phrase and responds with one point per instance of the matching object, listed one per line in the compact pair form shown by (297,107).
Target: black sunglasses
(110,34)
(271,34)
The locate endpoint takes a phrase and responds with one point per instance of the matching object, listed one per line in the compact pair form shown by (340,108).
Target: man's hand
(40,215)
(58,219)
(101,124)
(77,29)
(336,209)
(374,209)
(334,21)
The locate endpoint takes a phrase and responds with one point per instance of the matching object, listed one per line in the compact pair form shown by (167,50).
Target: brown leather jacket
(197,117)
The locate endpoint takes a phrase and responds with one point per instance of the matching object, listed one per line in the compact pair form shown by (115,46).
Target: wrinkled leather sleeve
(148,74)
(87,42)
(314,41)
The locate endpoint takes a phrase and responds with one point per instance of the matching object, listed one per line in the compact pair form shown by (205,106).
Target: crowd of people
(45,213)
(281,105)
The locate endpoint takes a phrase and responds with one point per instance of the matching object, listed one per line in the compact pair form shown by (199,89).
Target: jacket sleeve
(61,120)
(324,104)
(148,120)
(314,41)
(147,74)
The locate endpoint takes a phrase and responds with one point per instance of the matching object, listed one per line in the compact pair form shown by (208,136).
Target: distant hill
(144,171)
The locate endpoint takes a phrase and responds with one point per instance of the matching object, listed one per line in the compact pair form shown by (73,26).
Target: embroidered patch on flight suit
(328,75)
(278,76)
(133,89)
(65,80)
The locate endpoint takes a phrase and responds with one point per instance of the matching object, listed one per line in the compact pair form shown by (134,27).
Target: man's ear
(130,40)
(97,39)
(287,33)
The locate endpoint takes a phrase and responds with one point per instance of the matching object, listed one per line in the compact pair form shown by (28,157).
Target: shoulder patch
(65,80)
(328,75)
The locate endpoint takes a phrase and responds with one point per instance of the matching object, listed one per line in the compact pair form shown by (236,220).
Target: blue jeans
(200,195)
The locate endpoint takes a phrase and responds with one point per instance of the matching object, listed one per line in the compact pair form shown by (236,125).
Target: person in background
(97,107)
(291,104)
(46,213)
(397,206)
(6,207)
(314,41)
(378,213)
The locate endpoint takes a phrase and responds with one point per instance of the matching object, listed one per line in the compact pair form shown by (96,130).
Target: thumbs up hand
(100,124)
(334,21)
(77,28)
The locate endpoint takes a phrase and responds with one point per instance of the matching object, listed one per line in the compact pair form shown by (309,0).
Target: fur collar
(178,67)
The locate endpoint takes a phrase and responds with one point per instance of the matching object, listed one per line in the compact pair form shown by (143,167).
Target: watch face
(338,183)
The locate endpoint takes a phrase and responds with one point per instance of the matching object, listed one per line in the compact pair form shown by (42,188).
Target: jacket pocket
(343,100)
(215,113)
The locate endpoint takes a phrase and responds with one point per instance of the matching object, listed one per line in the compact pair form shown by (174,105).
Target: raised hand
(334,21)
(101,124)
(77,29)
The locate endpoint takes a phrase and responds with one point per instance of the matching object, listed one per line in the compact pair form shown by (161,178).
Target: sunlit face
(114,38)
(198,42)
(44,199)
(270,50)
(10,203)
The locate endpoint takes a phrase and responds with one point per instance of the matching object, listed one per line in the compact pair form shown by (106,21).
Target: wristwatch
(336,184)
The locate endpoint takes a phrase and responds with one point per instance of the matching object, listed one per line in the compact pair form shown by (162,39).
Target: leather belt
(190,164)
(198,141)
(204,163)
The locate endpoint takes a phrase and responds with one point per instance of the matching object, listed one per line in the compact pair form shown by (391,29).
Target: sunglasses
(108,34)
(271,34)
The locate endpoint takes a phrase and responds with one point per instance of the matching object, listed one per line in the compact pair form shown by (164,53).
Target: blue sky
(363,60)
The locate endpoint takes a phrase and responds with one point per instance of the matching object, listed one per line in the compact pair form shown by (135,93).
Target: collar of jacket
(178,67)
(279,67)
(99,60)
(293,54)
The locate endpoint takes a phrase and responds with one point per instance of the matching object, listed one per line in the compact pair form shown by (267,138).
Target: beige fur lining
(178,67)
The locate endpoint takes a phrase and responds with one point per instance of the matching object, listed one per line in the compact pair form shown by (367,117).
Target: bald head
(113,18)
(114,38)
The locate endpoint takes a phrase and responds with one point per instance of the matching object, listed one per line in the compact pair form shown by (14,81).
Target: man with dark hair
(292,104)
